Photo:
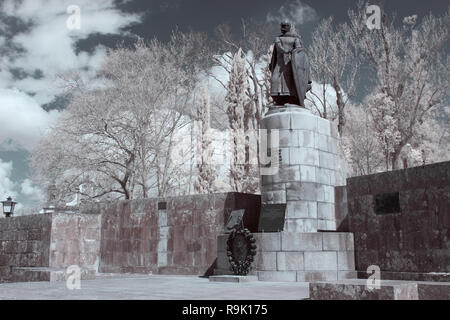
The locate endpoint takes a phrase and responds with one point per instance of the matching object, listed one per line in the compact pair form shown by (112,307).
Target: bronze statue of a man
(290,69)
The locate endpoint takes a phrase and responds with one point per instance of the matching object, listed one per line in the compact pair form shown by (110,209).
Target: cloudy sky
(38,42)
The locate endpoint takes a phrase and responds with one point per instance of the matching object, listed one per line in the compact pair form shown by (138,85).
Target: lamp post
(8,207)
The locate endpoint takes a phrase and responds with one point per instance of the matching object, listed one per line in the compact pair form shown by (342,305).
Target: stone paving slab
(154,287)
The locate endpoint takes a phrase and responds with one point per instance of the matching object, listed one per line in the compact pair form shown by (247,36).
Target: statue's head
(285,27)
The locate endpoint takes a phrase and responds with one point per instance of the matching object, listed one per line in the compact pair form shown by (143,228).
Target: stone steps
(33,274)
(305,276)
(295,276)
(410,276)
(356,289)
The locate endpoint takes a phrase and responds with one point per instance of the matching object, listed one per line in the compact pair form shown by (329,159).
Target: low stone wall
(410,233)
(175,235)
(24,241)
(358,290)
(31,246)
(75,240)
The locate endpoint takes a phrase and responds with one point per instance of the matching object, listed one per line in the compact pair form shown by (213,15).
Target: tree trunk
(394,162)
(340,105)
(405,163)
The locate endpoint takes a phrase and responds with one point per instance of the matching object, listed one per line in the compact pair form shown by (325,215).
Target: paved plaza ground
(155,287)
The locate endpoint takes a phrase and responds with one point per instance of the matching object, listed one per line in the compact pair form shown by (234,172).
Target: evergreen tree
(236,100)
(205,176)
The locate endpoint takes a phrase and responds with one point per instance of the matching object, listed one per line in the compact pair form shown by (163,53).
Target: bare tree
(334,64)
(412,70)
(361,147)
(117,133)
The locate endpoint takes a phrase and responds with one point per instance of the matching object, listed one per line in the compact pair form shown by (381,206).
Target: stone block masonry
(293,256)
(309,169)
(75,240)
(24,241)
(175,235)
(411,241)
(31,246)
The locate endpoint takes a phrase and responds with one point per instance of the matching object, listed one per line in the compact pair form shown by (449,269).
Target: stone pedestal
(309,168)
(295,256)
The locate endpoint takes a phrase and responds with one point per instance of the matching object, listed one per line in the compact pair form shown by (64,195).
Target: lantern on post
(8,207)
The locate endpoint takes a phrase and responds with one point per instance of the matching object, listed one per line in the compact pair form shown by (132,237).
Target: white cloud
(296,12)
(47,45)
(24,193)
(50,46)
(7,186)
(22,120)
(31,191)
